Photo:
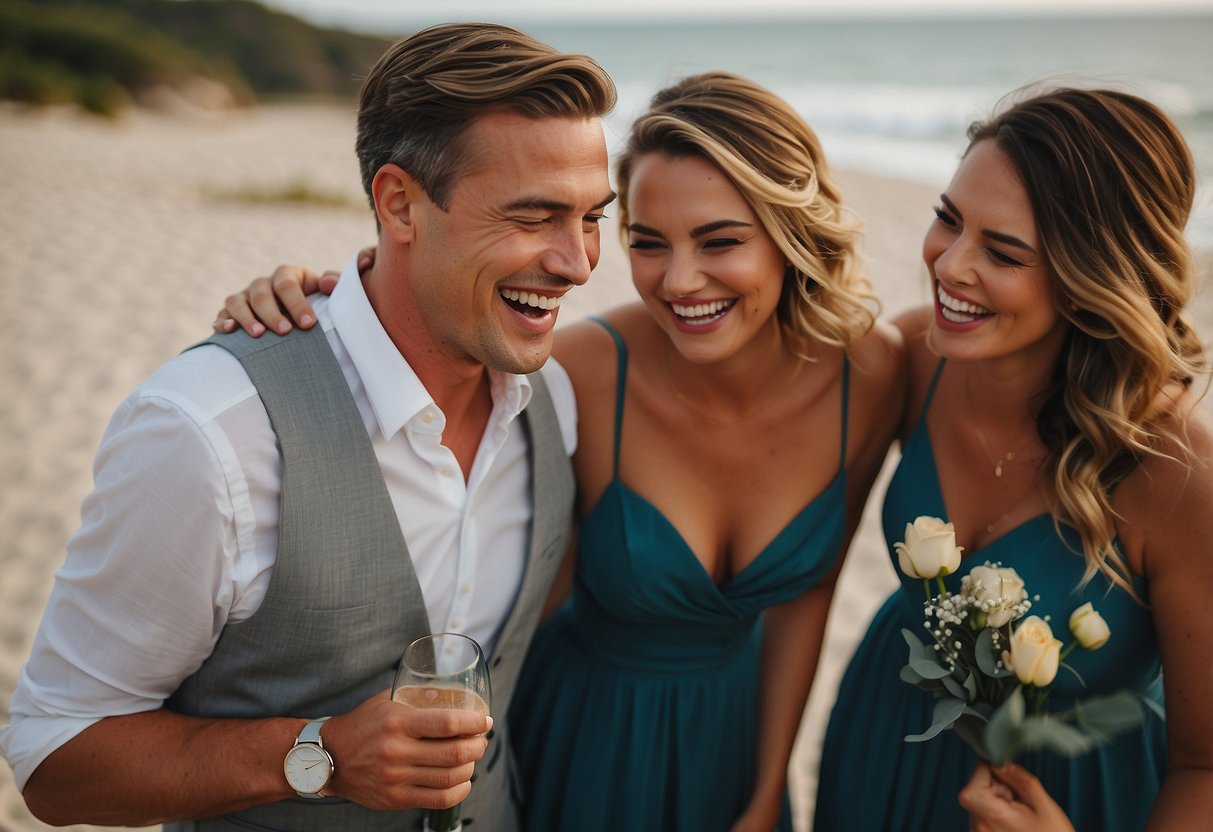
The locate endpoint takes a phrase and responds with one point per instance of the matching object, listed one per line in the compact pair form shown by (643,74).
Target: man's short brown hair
(423,94)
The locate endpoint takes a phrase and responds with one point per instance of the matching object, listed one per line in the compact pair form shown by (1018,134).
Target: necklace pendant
(998,468)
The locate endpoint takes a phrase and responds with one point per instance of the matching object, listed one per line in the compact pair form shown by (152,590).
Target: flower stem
(1041,695)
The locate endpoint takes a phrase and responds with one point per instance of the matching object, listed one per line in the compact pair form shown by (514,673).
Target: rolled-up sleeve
(163,555)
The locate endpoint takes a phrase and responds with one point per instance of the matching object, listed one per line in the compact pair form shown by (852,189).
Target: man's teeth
(692,314)
(530,299)
(959,311)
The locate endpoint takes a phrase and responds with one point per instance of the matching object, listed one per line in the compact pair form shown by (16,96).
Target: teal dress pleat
(871,779)
(637,708)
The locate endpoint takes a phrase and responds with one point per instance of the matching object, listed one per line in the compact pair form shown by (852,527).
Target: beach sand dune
(118,242)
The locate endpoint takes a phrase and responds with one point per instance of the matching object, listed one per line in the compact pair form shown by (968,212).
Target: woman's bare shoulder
(920,360)
(587,350)
(880,350)
(878,364)
(1169,497)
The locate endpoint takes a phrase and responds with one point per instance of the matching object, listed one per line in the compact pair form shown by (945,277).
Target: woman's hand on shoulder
(280,300)
(1010,799)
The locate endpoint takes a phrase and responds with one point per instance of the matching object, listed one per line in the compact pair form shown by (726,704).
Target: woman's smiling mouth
(701,314)
(959,311)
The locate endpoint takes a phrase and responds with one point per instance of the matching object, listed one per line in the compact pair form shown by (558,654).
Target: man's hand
(160,766)
(392,756)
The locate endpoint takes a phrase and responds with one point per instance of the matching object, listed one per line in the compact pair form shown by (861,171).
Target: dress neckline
(617,484)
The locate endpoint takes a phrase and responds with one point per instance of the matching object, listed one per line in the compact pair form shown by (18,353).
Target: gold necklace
(1009,456)
(991,526)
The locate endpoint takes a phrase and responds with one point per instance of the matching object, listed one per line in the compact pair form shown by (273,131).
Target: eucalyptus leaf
(1055,735)
(971,727)
(1106,716)
(980,711)
(1002,738)
(928,669)
(970,686)
(946,712)
(987,657)
(918,650)
(956,689)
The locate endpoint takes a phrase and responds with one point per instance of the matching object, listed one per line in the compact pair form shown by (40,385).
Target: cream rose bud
(1034,654)
(999,588)
(1089,627)
(929,550)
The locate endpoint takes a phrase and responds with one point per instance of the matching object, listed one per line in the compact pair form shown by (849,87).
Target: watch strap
(311,732)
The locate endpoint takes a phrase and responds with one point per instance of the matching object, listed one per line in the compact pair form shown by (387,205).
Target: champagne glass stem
(443,820)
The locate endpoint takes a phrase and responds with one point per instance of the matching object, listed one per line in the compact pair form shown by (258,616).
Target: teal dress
(638,705)
(871,779)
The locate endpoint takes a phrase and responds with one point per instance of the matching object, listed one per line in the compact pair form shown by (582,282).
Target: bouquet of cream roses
(990,665)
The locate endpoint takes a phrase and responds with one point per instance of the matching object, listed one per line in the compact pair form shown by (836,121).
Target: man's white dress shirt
(180,533)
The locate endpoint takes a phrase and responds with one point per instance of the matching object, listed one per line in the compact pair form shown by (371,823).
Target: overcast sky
(373,15)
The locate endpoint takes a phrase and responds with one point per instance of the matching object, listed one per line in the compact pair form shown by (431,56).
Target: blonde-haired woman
(730,425)
(1053,420)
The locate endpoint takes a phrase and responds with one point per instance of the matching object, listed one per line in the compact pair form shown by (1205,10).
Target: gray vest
(343,600)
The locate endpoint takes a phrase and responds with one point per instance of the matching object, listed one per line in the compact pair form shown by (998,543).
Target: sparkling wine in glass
(443,670)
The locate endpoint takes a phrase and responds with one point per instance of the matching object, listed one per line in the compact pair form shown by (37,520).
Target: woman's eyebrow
(997,236)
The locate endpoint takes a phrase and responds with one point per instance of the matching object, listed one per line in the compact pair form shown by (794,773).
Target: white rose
(997,589)
(1034,654)
(929,550)
(1089,627)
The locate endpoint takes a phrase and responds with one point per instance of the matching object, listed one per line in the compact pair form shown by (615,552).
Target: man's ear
(396,196)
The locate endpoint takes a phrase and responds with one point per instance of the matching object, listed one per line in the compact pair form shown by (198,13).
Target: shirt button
(428,417)
(464,589)
(448,472)
(456,623)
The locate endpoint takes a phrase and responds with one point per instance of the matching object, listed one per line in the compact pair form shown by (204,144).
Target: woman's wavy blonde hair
(1111,182)
(774,160)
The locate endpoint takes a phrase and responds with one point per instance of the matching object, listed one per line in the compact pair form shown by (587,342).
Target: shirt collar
(395,394)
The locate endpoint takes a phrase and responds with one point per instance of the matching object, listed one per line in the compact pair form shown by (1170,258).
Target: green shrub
(102,53)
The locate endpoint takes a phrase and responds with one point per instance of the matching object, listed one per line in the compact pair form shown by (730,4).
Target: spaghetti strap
(846,389)
(926,405)
(620,383)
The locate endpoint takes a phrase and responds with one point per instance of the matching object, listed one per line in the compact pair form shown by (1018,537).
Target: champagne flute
(443,670)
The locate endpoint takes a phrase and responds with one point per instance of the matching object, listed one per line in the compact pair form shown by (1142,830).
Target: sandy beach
(118,242)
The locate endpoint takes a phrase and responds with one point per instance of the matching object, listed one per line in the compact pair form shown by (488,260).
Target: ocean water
(895,97)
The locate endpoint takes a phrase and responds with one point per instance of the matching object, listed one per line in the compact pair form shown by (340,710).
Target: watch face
(308,768)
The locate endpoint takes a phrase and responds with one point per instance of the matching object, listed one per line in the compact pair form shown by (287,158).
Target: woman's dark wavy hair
(1111,182)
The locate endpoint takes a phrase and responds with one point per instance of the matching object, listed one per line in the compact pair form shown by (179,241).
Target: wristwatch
(308,767)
